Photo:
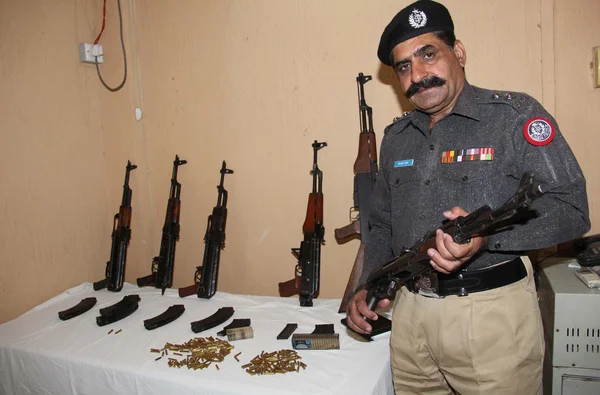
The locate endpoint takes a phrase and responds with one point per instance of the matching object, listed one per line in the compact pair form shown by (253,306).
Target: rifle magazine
(118,311)
(83,306)
(170,315)
(222,315)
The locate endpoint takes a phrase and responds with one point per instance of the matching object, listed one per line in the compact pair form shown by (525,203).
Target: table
(40,354)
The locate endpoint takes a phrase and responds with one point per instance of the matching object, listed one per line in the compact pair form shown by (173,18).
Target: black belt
(464,283)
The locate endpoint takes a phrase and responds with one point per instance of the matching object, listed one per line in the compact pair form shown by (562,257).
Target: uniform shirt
(415,185)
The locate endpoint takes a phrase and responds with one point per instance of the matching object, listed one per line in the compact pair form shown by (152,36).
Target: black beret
(423,16)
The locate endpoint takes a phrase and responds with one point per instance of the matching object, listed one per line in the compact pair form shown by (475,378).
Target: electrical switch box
(91,53)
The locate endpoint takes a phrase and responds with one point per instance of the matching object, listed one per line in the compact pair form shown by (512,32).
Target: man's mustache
(429,82)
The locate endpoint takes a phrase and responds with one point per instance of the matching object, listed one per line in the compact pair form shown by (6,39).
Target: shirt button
(465,178)
(431,147)
(422,216)
(497,245)
(427,182)
(397,181)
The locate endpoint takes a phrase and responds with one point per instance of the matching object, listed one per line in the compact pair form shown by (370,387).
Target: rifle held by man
(206,276)
(365,172)
(163,265)
(308,270)
(386,280)
(121,234)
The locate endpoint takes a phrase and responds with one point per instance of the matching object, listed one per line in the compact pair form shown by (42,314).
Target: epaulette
(517,100)
(405,115)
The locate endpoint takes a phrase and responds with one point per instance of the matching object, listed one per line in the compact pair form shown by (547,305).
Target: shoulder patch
(538,131)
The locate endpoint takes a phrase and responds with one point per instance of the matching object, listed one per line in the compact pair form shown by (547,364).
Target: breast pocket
(404,191)
(402,176)
(468,172)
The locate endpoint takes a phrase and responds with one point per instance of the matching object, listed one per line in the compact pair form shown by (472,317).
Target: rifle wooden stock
(314,212)
(187,291)
(348,232)
(367,152)
(355,274)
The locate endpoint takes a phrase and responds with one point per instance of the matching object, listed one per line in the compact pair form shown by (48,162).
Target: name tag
(404,163)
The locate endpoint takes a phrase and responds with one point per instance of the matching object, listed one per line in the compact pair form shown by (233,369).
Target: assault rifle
(413,262)
(365,172)
(121,234)
(206,276)
(164,264)
(307,272)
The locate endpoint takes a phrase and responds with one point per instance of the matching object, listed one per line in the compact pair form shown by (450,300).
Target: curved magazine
(118,311)
(170,315)
(83,306)
(222,315)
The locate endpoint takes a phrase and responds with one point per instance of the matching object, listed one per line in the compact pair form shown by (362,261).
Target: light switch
(596,66)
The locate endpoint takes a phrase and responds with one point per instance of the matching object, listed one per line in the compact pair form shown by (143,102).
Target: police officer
(479,331)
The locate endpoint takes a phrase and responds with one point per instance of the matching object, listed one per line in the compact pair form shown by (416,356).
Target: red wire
(103,23)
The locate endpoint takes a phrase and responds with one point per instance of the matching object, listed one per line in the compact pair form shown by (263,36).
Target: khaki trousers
(489,342)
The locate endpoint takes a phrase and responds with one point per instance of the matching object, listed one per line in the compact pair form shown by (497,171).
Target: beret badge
(422,16)
(417,19)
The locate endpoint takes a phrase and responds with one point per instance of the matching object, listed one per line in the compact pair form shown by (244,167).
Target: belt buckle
(427,286)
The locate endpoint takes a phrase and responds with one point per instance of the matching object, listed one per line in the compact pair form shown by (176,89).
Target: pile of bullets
(201,352)
(282,361)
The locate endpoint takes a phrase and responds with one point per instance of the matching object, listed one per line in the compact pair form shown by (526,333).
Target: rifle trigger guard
(198,274)
(355,217)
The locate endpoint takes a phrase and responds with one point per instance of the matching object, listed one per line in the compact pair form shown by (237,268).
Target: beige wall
(53,179)
(577,104)
(249,82)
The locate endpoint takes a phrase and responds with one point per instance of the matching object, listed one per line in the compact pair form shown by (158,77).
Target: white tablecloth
(40,354)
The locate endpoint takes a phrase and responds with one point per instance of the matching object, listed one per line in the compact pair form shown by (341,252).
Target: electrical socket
(91,53)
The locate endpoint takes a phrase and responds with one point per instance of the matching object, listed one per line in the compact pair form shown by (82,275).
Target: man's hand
(448,255)
(358,310)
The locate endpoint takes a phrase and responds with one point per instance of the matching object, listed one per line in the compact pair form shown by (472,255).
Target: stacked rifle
(308,269)
(163,265)
(365,172)
(121,234)
(206,276)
